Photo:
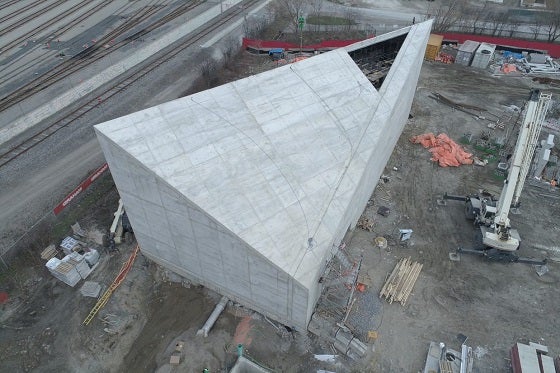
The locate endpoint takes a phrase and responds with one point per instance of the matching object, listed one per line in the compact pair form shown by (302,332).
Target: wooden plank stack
(445,367)
(400,282)
(49,252)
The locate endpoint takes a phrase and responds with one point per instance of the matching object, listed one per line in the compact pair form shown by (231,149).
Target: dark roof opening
(376,60)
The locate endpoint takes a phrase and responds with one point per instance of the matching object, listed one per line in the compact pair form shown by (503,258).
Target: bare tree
(255,27)
(536,28)
(349,17)
(476,17)
(208,70)
(293,9)
(447,16)
(512,26)
(551,22)
(497,21)
(231,48)
(316,6)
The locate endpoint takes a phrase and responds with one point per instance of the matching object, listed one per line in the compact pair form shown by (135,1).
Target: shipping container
(433,47)
(483,55)
(466,52)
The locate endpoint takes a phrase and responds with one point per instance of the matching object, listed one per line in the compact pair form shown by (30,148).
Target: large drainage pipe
(213,317)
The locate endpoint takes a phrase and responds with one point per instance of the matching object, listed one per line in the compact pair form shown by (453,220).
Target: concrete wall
(178,235)
(391,115)
(175,232)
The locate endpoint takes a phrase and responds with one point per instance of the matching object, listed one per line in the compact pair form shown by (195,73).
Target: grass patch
(491,150)
(499,175)
(491,158)
(88,202)
(329,20)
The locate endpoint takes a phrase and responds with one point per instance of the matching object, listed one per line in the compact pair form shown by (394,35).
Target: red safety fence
(266,45)
(551,48)
(83,186)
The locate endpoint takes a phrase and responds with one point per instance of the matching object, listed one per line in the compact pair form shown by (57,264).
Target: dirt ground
(493,304)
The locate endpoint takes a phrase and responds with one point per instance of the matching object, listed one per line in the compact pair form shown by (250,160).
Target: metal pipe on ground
(213,317)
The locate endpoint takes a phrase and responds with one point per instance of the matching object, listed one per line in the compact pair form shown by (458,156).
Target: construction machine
(491,214)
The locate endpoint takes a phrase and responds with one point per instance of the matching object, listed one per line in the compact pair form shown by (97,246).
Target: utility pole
(301,23)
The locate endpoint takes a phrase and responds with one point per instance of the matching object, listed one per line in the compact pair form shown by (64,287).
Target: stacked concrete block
(68,245)
(71,269)
(63,271)
(78,261)
(91,257)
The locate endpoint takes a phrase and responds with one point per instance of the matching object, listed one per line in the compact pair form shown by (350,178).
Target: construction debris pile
(444,150)
(73,267)
(400,283)
(443,359)
(341,300)
(366,223)
(72,260)
(526,63)
(482,55)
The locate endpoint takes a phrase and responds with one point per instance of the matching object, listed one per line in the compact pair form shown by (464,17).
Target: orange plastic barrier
(444,150)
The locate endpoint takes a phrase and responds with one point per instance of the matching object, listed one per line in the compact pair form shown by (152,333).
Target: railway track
(8,3)
(122,84)
(41,27)
(4,78)
(17,12)
(95,52)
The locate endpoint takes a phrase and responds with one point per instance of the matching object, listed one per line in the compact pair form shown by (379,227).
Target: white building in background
(249,188)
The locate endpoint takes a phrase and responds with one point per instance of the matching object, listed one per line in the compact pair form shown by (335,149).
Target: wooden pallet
(400,282)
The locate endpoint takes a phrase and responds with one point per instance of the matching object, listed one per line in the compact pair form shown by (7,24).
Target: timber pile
(445,366)
(400,282)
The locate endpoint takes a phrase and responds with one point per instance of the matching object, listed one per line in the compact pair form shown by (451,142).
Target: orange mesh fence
(444,150)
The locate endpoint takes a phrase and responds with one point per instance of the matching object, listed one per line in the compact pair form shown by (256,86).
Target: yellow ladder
(118,280)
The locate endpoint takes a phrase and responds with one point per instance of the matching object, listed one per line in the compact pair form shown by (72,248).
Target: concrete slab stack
(248,188)
(63,271)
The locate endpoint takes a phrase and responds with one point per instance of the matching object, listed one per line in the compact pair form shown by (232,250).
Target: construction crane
(492,215)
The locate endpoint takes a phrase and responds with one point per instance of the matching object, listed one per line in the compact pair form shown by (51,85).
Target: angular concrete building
(249,188)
